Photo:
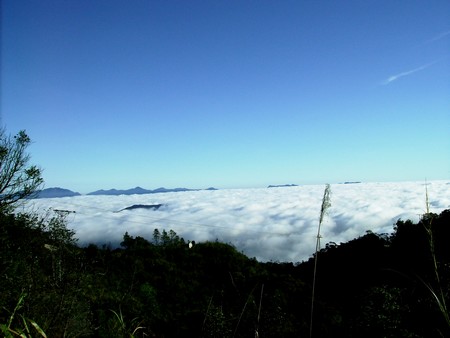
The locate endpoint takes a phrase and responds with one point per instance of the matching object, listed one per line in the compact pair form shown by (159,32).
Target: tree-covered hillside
(373,286)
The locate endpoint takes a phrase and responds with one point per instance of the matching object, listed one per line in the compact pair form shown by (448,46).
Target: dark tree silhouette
(18,180)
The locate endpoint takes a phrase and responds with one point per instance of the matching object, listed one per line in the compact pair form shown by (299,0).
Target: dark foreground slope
(373,286)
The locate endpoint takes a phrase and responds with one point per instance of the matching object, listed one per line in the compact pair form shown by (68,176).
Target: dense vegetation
(373,286)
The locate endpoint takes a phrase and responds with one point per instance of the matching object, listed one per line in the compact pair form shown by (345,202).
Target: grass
(25,331)
(122,328)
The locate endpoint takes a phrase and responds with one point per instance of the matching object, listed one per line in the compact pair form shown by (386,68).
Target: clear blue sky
(228,93)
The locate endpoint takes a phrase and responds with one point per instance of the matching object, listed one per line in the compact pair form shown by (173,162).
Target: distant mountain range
(141,191)
(60,192)
(56,192)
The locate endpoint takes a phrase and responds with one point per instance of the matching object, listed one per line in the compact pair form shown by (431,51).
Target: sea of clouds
(270,224)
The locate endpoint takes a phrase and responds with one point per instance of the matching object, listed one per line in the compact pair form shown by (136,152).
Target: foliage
(40,260)
(18,180)
(8,331)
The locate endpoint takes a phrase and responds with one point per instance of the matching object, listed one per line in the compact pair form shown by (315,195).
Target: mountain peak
(56,192)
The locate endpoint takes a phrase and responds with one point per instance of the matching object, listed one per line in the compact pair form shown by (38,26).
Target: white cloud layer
(278,224)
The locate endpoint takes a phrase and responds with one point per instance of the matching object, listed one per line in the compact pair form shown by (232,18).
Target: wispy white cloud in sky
(439,36)
(409,72)
(269,224)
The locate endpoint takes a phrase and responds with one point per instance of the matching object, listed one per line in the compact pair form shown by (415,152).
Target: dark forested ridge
(377,285)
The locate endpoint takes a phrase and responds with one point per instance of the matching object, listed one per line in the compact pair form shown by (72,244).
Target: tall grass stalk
(438,295)
(243,310)
(326,204)
(207,312)
(259,312)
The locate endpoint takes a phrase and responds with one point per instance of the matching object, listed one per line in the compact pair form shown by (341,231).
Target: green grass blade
(38,328)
